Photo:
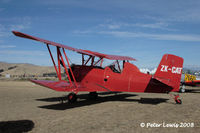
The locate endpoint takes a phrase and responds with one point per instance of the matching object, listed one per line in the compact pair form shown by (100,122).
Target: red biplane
(120,76)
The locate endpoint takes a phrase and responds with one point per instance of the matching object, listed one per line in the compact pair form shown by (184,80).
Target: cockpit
(101,63)
(117,66)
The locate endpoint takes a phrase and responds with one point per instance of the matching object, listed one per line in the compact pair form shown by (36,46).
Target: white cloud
(82,32)
(152,25)
(7,46)
(3,31)
(156,25)
(3,34)
(177,37)
(187,14)
(20,24)
(6,1)
(2,27)
(110,26)
(19,27)
(166,10)
(23,52)
(121,25)
(114,26)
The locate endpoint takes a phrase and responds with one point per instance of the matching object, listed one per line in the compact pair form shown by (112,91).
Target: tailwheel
(72,97)
(177,99)
(93,95)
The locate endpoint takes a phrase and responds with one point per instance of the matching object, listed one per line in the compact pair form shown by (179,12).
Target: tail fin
(169,71)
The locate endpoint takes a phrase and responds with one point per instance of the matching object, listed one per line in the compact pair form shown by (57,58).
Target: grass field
(26,107)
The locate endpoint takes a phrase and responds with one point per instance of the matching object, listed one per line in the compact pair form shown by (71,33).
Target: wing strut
(66,70)
(53,61)
(118,66)
(98,61)
(59,69)
(88,60)
(69,67)
(83,60)
(62,62)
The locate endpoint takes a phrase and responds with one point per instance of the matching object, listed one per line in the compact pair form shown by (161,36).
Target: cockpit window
(116,66)
(114,69)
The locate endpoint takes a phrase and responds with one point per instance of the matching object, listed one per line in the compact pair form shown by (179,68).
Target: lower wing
(66,86)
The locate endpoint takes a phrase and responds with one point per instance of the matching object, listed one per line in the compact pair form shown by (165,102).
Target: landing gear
(72,97)
(93,95)
(177,99)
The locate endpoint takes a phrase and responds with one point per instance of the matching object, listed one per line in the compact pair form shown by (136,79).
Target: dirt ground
(26,107)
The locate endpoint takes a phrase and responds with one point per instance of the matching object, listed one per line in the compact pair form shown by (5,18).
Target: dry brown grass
(108,114)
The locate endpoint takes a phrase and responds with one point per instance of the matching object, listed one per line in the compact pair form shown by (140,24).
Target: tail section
(169,71)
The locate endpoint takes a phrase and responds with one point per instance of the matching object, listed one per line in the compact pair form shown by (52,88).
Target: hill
(26,70)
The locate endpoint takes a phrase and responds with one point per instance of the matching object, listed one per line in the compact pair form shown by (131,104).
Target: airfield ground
(25,106)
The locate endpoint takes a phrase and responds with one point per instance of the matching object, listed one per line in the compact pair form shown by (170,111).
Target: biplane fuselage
(90,76)
(129,80)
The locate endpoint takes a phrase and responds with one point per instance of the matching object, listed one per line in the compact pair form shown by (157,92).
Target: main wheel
(72,97)
(93,95)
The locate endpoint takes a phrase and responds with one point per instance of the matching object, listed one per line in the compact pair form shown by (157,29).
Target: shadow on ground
(84,101)
(19,126)
(192,90)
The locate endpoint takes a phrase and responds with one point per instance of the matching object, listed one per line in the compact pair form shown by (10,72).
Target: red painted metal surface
(128,79)
(111,57)
(66,70)
(86,52)
(64,86)
(170,71)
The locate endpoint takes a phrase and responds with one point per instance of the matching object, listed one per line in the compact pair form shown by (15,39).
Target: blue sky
(142,29)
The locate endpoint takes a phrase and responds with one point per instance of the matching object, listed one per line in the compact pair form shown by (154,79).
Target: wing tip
(15,32)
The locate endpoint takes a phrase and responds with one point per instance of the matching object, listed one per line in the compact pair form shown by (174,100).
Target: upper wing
(49,42)
(86,52)
(111,57)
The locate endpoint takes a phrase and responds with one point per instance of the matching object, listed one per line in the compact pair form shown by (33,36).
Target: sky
(142,29)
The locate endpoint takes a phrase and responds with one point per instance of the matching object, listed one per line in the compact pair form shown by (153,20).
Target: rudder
(169,71)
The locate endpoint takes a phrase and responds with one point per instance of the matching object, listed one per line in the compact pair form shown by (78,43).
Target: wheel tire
(72,98)
(178,101)
(93,95)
